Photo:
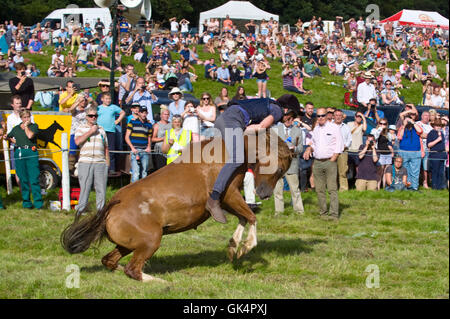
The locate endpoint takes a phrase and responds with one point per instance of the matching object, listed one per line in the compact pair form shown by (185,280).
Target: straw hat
(368,75)
(174,91)
(104,82)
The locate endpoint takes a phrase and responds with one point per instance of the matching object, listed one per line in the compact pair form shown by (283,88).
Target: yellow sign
(51,126)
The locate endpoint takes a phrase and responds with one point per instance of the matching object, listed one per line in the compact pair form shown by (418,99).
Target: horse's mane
(283,150)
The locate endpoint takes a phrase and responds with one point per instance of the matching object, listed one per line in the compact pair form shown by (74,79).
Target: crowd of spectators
(360,56)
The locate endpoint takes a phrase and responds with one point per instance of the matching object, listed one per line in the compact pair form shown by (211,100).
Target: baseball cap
(143,109)
(135,105)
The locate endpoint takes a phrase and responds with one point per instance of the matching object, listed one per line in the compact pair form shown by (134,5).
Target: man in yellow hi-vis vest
(176,139)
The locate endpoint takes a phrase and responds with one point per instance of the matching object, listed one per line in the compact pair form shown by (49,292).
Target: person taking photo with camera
(68,97)
(23,86)
(411,148)
(144,97)
(367,177)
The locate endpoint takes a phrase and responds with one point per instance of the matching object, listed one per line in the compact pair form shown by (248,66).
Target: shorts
(385,159)
(261,80)
(425,161)
(82,62)
(207,131)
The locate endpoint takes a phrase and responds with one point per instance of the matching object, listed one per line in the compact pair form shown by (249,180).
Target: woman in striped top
(93,162)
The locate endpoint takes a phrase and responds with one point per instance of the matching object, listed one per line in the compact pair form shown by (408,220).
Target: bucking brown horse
(173,200)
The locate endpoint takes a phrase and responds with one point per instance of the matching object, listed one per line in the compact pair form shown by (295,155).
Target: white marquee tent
(417,18)
(236,10)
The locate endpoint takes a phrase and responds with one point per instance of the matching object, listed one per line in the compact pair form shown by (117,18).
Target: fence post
(7,167)
(65,173)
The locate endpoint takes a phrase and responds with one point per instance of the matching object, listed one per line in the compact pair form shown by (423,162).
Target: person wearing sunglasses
(389,96)
(326,145)
(93,160)
(206,112)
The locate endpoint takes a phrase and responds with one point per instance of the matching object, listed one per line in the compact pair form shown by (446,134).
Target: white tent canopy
(418,18)
(236,10)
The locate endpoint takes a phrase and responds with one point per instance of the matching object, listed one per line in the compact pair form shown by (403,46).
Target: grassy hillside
(323,94)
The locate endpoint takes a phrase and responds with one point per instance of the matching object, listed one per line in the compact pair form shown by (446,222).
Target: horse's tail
(79,236)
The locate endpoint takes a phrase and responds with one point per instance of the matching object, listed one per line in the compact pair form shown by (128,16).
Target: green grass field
(406,235)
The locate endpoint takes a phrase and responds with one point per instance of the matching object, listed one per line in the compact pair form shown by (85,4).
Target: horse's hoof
(242,251)
(231,252)
(148,278)
(119,267)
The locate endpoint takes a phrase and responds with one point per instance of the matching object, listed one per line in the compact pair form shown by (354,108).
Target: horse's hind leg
(111,260)
(148,245)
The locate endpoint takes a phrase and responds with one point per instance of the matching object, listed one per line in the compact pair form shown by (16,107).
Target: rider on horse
(255,114)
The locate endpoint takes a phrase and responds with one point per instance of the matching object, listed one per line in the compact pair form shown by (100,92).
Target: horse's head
(273,159)
(58,126)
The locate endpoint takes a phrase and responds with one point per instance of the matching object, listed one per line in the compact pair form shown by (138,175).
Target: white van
(80,15)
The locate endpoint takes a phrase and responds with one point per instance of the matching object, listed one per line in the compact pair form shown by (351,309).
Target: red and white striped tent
(418,18)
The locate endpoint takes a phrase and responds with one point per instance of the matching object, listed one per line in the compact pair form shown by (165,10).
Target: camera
(192,109)
(76,87)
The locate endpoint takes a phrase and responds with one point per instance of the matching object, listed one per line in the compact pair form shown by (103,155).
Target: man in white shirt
(141,95)
(206,37)
(361,25)
(366,90)
(18,57)
(57,57)
(241,55)
(332,55)
(173,25)
(436,98)
(342,161)
(388,76)
(326,145)
(340,67)
(138,55)
(14,118)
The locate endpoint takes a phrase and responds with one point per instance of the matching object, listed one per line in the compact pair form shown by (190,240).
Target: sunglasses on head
(92,115)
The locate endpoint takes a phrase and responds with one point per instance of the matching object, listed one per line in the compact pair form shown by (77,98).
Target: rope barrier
(152,152)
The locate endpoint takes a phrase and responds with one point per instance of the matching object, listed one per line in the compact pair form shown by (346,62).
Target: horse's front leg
(249,243)
(236,202)
(236,239)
